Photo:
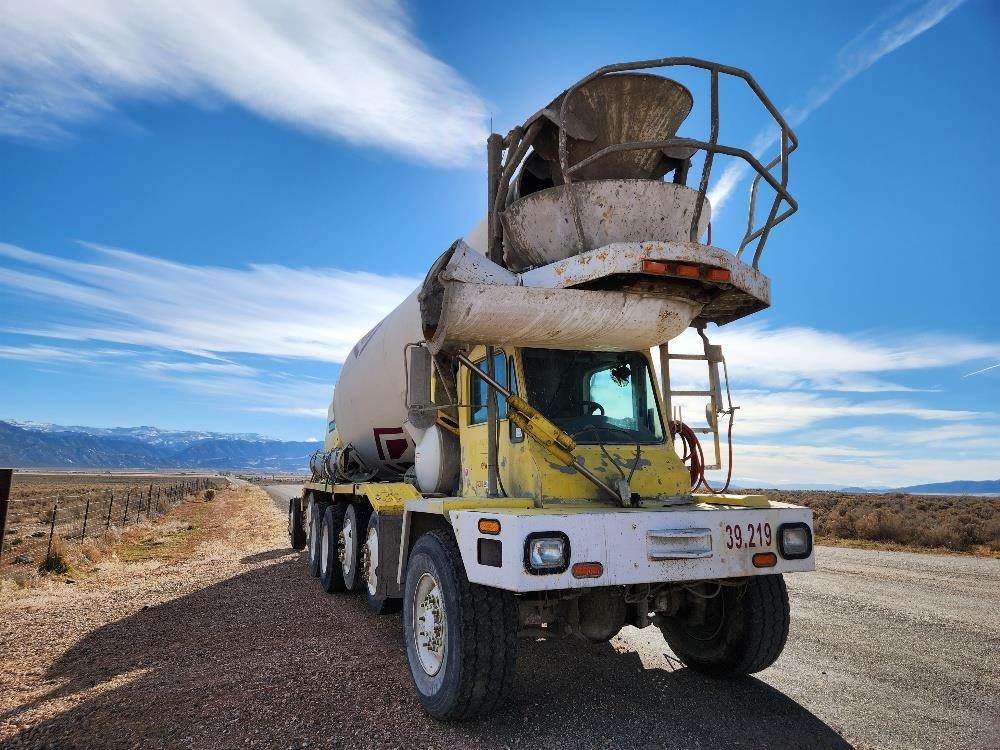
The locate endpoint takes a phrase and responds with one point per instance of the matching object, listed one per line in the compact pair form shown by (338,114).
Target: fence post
(52,530)
(6,477)
(128,496)
(86,515)
(111,504)
(149,501)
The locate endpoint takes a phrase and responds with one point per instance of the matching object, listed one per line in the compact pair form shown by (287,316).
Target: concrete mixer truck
(505,454)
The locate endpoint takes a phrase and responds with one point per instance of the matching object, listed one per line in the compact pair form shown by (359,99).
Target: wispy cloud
(765,464)
(781,412)
(348,69)
(980,372)
(130,299)
(895,28)
(803,357)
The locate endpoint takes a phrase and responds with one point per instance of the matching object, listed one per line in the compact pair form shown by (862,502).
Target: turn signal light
(588,570)
(765,560)
(489,526)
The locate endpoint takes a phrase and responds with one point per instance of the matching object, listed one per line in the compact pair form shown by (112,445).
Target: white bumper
(633,546)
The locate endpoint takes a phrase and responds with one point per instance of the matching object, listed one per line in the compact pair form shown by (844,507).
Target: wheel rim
(345,549)
(369,560)
(324,551)
(430,624)
(313,536)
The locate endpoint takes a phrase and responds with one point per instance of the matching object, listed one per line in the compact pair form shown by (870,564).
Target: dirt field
(956,523)
(215,636)
(103,501)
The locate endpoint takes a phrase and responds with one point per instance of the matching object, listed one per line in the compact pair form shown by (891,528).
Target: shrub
(57,559)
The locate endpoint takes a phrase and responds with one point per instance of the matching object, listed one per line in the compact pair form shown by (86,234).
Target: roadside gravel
(226,642)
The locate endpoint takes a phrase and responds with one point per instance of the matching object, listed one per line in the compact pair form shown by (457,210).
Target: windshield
(602,397)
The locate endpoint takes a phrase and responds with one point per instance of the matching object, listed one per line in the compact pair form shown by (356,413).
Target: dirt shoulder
(201,633)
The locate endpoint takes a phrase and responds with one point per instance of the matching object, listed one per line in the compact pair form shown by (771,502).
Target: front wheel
(732,631)
(461,638)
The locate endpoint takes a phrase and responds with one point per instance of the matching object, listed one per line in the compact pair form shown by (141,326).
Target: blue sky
(203,206)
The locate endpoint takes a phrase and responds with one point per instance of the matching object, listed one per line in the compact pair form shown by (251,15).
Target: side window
(479,391)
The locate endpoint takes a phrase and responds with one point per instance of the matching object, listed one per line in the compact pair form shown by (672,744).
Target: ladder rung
(690,393)
(703,430)
(687,356)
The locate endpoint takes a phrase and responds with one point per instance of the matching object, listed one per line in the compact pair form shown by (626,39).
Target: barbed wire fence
(30,525)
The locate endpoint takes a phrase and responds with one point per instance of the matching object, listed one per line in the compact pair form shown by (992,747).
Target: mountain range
(51,446)
(44,445)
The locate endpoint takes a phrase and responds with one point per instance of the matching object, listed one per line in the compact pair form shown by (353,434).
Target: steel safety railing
(520,139)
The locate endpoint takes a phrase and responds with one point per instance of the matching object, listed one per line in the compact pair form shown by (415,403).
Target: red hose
(694,452)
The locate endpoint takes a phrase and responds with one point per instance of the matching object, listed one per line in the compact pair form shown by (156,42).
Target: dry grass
(958,523)
(56,558)
(91,503)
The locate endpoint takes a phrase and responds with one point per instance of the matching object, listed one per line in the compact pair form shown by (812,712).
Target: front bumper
(632,546)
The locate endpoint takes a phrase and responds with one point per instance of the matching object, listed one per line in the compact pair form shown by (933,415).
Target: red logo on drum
(392,443)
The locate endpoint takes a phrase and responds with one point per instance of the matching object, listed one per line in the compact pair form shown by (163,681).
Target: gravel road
(886,650)
(234,645)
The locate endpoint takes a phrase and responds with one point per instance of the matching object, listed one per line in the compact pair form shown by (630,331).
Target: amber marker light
(489,526)
(691,272)
(717,274)
(588,570)
(765,560)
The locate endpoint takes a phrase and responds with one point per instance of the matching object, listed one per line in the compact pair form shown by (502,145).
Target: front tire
(743,630)
(461,638)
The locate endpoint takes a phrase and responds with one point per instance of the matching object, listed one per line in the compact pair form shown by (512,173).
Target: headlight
(546,552)
(795,540)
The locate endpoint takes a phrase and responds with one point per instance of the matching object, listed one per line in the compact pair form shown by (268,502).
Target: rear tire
(296,533)
(331,574)
(461,638)
(352,537)
(315,519)
(380,605)
(744,629)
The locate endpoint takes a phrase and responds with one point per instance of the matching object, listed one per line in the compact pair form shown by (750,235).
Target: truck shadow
(266,659)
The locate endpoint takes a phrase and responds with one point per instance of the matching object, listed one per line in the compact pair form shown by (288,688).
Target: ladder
(712,356)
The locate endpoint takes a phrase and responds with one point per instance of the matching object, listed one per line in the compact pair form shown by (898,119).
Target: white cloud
(212,368)
(980,372)
(766,464)
(271,310)
(885,35)
(776,412)
(348,69)
(801,357)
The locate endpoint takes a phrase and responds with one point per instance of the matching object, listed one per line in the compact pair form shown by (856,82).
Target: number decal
(759,536)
